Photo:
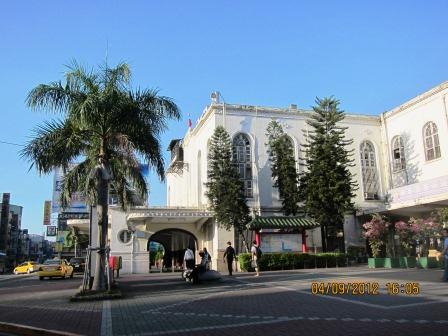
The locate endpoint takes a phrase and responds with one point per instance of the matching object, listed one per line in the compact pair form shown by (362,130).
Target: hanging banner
(77,203)
(47,212)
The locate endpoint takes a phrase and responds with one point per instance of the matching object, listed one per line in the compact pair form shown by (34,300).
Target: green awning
(282,222)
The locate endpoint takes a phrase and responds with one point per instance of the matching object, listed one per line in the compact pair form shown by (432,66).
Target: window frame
(431,141)
(122,241)
(242,159)
(398,164)
(371,183)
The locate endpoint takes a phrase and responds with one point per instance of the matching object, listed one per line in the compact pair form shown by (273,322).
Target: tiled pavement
(281,304)
(276,303)
(44,304)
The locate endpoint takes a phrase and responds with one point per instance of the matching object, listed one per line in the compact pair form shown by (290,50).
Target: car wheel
(71,275)
(41,278)
(63,276)
(15,272)
(28,271)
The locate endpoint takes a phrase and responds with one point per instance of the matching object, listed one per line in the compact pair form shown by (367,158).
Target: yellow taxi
(55,268)
(26,267)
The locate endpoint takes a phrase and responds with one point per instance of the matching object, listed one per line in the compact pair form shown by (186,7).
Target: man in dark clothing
(229,255)
(201,268)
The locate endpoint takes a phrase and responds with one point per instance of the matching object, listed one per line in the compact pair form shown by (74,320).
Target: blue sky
(370,55)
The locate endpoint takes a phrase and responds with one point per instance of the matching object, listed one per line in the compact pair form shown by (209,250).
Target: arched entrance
(174,243)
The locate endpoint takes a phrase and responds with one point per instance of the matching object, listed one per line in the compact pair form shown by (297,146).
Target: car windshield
(52,262)
(33,263)
(77,260)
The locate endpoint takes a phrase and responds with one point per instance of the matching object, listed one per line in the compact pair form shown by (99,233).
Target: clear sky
(372,56)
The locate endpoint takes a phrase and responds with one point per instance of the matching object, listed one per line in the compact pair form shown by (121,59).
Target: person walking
(445,253)
(256,255)
(208,258)
(189,258)
(229,255)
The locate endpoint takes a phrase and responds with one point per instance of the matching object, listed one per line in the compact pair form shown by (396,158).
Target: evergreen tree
(283,166)
(224,187)
(326,185)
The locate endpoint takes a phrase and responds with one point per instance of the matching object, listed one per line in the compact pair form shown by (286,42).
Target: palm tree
(106,128)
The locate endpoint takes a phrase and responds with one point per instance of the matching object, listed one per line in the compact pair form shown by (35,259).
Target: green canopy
(282,222)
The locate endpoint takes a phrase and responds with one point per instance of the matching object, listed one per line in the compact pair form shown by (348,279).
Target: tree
(283,167)
(106,127)
(224,187)
(326,185)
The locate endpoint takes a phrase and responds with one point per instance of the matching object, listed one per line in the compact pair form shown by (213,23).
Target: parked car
(55,268)
(26,267)
(78,263)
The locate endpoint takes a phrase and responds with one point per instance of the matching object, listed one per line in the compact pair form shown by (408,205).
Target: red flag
(189,123)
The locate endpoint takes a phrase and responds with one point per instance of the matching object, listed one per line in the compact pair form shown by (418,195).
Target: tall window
(369,171)
(431,141)
(242,158)
(398,158)
(199,180)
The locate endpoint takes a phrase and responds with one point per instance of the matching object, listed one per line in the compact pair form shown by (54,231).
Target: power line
(11,143)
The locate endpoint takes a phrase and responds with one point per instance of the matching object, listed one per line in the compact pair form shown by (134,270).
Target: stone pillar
(304,247)
(258,237)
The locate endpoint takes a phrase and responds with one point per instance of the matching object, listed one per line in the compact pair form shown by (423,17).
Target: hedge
(287,261)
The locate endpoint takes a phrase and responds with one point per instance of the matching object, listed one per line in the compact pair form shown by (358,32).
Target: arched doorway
(174,243)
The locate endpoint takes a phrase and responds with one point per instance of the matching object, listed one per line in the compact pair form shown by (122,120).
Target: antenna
(107,51)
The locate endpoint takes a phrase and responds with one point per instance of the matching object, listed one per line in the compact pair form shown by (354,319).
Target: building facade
(11,235)
(401,160)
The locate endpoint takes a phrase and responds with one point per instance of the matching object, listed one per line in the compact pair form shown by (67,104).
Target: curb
(21,329)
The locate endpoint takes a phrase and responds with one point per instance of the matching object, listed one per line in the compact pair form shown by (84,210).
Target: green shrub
(298,260)
(275,261)
(244,259)
(290,260)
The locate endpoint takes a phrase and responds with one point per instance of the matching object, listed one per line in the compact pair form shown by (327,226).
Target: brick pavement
(277,303)
(45,304)
(280,303)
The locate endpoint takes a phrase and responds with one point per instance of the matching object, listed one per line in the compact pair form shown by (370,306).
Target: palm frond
(54,97)
(127,174)
(80,178)
(56,143)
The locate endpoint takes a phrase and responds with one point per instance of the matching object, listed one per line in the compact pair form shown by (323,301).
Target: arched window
(242,158)
(369,171)
(199,180)
(398,158)
(431,141)
(292,145)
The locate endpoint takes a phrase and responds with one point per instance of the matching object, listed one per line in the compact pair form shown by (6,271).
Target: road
(276,303)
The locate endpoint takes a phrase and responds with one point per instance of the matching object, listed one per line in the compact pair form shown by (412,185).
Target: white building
(401,166)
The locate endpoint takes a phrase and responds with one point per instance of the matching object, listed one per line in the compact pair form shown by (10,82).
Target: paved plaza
(276,303)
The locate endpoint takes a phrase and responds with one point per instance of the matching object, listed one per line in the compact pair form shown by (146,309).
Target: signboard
(65,238)
(47,212)
(63,217)
(73,215)
(51,231)
(281,242)
(77,203)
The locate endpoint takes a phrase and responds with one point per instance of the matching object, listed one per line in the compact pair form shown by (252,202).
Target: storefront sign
(47,212)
